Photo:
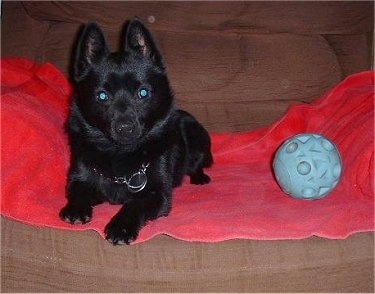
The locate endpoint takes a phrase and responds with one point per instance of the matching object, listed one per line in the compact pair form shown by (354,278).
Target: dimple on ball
(307,166)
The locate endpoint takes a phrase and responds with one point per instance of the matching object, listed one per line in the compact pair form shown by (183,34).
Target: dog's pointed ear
(91,48)
(138,39)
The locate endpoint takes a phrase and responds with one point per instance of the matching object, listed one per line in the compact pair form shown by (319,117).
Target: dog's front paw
(76,215)
(118,233)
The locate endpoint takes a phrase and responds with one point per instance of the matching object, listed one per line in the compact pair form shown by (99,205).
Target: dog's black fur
(122,118)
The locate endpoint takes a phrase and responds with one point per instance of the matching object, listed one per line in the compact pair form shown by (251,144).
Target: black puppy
(129,143)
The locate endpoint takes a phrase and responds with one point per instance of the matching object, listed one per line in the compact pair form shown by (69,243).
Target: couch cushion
(294,17)
(21,35)
(230,82)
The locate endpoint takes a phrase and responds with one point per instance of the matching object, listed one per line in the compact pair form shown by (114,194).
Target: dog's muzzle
(125,130)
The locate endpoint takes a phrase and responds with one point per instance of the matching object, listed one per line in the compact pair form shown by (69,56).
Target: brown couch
(236,66)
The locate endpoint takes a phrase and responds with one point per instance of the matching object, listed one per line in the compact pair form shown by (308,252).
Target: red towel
(242,201)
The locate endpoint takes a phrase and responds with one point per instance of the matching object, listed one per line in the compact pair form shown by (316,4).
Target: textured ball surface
(307,166)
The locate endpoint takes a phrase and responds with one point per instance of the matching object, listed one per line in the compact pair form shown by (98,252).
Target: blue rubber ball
(307,166)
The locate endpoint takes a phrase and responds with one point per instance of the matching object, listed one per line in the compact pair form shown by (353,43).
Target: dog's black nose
(125,129)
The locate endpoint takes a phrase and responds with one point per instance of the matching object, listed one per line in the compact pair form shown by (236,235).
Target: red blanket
(242,201)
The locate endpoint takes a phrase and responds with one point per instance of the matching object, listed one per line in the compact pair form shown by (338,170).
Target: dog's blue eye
(102,96)
(143,93)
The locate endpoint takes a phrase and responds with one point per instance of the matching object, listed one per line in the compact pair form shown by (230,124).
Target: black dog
(129,143)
